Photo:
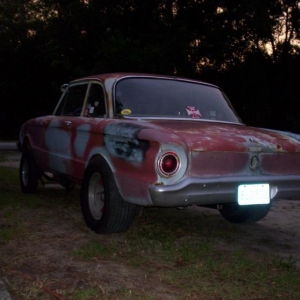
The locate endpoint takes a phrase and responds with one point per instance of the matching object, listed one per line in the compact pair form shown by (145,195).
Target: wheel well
(96,156)
(26,144)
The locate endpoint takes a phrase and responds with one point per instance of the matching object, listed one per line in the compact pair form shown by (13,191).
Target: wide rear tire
(103,208)
(236,213)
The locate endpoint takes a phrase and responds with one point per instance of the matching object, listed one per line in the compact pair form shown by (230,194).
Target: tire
(103,208)
(236,213)
(29,173)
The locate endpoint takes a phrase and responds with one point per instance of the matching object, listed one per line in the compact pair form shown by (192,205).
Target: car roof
(117,76)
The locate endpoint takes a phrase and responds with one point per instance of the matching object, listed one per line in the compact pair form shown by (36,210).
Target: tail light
(168,164)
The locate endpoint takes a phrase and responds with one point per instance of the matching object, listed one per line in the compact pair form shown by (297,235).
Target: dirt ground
(277,234)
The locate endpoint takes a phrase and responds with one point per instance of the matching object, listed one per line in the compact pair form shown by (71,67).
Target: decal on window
(126,112)
(192,111)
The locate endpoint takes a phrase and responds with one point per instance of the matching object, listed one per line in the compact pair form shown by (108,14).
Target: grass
(166,254)
(86,294)
(2,157)
(173,248)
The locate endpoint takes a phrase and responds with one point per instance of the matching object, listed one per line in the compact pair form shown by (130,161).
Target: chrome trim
(216,190)
(165,77)
(160,159)
(68,123)
(166,118)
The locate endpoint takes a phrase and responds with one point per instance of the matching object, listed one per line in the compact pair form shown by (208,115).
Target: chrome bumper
(217,190)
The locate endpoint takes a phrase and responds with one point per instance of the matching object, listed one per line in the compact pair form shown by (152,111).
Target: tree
(251,48)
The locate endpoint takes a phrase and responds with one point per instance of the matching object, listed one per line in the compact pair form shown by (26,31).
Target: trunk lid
(225,137)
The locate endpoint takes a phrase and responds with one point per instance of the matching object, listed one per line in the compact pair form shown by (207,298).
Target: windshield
(166,98)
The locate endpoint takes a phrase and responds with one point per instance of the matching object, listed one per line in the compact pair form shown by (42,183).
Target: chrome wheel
(103,207)
(96,196)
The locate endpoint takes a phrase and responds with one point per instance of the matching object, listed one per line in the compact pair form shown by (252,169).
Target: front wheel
(236,213)
(29,173)
(103,208)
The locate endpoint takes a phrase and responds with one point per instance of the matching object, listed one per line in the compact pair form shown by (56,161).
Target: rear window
(154,97)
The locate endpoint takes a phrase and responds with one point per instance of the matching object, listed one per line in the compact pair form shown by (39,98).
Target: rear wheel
(103,208)
(29,173)
(236,213)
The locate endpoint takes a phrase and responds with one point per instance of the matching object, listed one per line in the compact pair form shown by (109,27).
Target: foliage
(250,48)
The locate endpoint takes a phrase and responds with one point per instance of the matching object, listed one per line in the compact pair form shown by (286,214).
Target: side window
(72,103)
(95,102)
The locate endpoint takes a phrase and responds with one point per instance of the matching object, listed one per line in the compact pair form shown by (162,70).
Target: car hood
(216,136)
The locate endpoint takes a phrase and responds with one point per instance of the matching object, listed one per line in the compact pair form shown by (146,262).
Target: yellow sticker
(126,112)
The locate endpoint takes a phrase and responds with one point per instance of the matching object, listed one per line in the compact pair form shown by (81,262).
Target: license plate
(253,194)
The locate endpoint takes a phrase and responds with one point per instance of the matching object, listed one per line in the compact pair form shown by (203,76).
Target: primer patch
(121,140)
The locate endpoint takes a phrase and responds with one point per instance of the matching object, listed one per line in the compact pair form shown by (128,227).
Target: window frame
(84,102)
(104,97)
(64,95)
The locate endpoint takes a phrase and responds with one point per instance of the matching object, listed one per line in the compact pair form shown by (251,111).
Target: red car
(138,140)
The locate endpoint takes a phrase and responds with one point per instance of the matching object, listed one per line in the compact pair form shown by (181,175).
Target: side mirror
(64,87)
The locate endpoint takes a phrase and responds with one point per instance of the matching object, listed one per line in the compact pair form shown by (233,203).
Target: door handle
(68,123)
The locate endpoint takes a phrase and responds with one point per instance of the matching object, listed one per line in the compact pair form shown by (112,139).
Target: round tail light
(168,164)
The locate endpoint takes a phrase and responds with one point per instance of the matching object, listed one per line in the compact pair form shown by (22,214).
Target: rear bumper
(207,191)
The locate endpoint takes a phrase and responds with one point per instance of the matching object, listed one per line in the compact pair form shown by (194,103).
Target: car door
(61,128)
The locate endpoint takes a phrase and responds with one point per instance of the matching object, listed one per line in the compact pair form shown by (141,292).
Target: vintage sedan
(139,140)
